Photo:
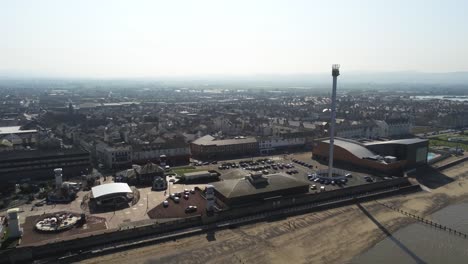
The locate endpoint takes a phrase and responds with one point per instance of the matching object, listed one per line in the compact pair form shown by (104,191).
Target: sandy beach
(332,236)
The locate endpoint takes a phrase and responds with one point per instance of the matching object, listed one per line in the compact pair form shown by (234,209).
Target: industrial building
(208,147)
(257,187)
(38,164)
(387,157)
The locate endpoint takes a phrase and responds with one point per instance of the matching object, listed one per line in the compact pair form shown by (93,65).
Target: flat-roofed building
(114,156)
(16,166)
(175,152)
(201,175)
(13,138)
(208,147)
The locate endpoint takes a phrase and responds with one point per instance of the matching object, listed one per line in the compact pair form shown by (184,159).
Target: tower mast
(335,74)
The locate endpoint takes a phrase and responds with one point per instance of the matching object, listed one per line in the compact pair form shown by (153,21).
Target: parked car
(313,187)
(190,209)
(166,203)
(368,179)
(348,175)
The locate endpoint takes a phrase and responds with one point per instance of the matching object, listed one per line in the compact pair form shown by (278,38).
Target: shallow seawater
(421,243)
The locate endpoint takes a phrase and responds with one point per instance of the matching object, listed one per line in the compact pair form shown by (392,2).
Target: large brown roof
(243,187)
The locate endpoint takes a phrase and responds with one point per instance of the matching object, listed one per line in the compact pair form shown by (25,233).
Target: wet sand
(332,236)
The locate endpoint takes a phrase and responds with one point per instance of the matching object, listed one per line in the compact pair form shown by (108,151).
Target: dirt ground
(332,236)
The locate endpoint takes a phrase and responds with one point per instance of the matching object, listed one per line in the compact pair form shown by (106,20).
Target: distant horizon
(351,77)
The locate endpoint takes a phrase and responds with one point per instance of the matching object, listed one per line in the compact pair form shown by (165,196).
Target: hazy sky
(100,38)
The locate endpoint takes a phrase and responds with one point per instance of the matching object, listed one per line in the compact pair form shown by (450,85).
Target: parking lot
(298,165)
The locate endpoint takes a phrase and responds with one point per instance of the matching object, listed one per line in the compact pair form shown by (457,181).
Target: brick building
(208,147)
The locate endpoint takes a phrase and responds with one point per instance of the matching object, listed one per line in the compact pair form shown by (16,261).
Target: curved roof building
(110,190)
(387,157)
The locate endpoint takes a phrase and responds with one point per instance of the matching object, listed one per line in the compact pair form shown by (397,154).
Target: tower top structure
(335,70)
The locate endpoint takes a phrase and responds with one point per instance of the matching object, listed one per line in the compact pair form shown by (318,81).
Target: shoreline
(395,227)
(438,200)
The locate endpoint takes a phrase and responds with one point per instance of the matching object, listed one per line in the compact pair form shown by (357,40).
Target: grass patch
(444,143)
(421,129)
(182,170)
(446,137)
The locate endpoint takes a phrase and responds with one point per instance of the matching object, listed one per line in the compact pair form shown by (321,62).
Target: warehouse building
(387,157)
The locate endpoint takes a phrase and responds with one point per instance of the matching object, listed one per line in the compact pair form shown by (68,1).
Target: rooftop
(14,130)
(356,148)
(244,187)
(211,141)
(110,188)
(150,168)
(35,154)
(407,141)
